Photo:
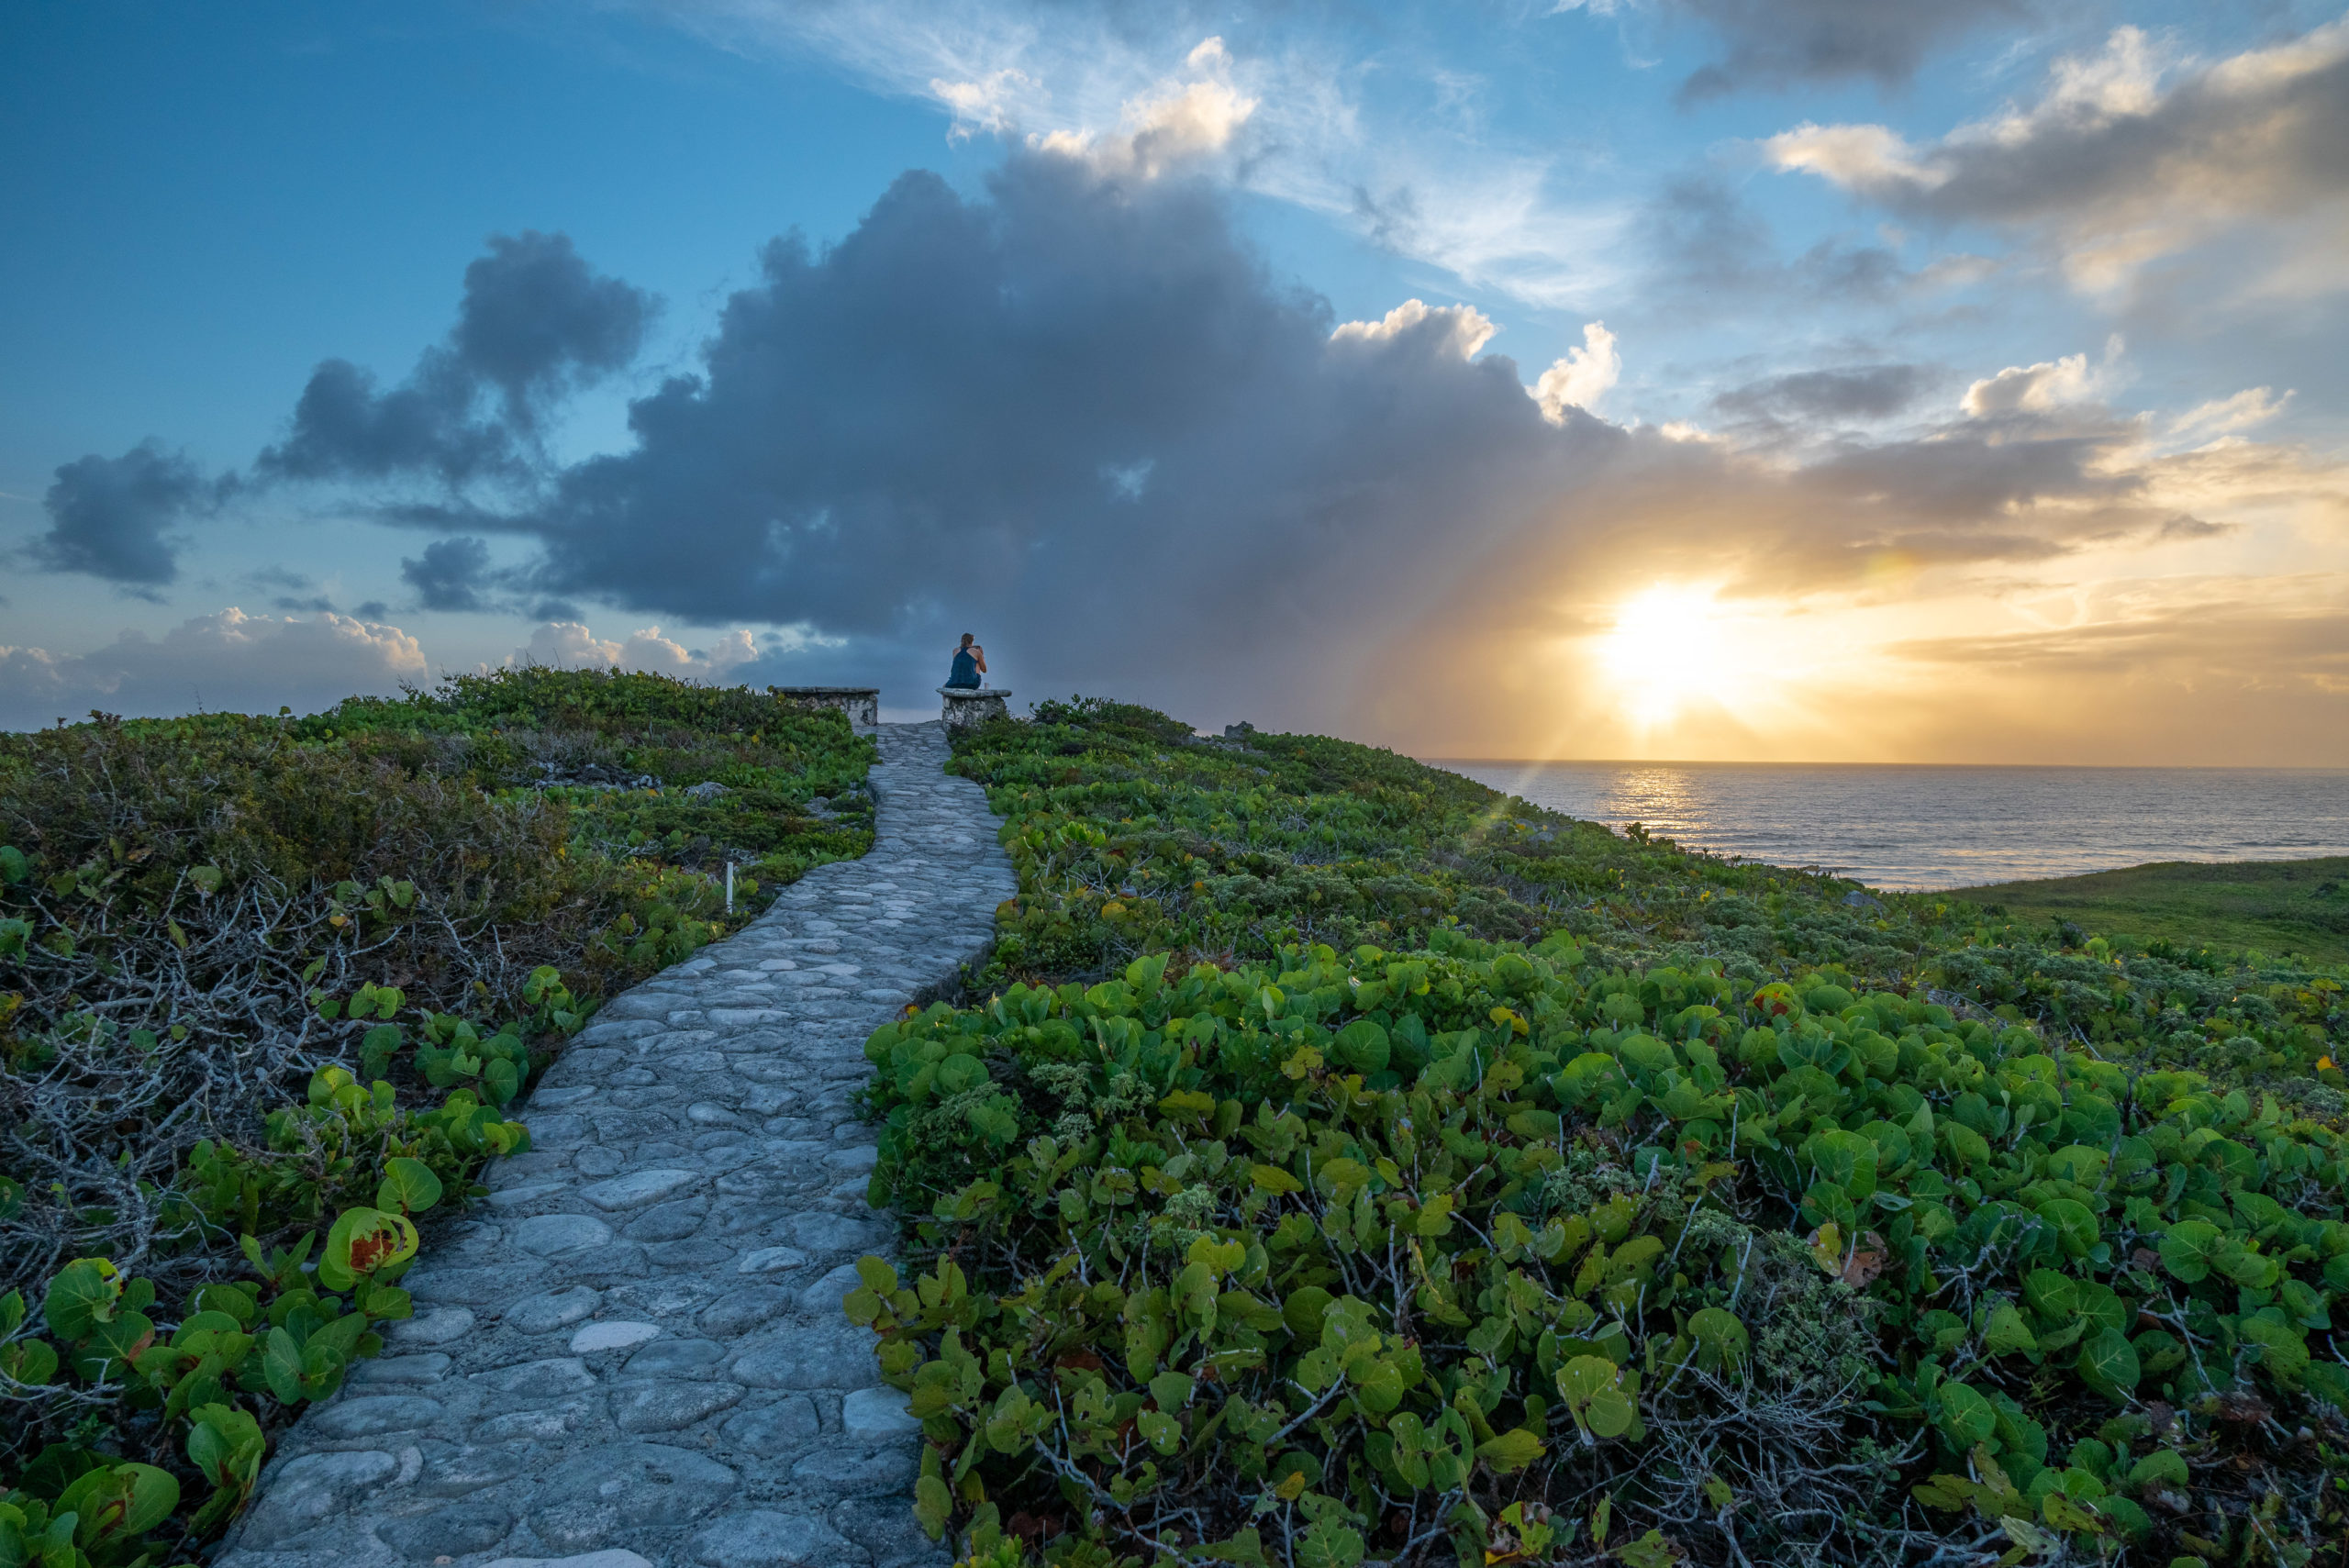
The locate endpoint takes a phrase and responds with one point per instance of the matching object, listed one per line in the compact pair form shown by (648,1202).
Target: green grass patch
(2278,907)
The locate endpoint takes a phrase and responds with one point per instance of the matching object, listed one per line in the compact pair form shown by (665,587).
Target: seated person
(970,664)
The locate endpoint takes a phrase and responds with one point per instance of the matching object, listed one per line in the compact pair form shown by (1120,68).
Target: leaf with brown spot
(1866,1262)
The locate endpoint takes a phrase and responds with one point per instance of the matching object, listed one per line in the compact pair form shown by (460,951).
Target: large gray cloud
(1078,404)
(1077,415)
(1855,392)
(112,516)
(1781,43)
(452,575)
(534,323)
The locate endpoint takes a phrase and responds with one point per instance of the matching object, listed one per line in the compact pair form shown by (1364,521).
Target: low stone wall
(862,704)
(634,1356)
(968,706)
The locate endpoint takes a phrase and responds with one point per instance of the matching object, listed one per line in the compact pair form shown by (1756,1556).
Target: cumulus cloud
(2130,154)
(534,323)
(113,518)
(450,575)
(1076,413)
(230,663)
(535,319)
(2042,388)
(1181,123)
(569,645)
(1459,330)
(912,429)
(1583,377)
(1784,43)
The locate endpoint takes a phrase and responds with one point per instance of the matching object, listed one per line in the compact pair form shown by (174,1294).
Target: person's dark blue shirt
(965,671)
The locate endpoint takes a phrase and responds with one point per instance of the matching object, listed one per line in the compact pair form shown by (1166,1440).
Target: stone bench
(862,704)
(967,706)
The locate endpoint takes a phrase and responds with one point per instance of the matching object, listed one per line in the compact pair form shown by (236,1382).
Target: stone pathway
(634,1353)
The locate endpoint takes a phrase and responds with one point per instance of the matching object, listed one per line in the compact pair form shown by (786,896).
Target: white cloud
(1873,159)
(1463,327)
(984,106)
(1290,105)
(2031,389)
(2132,153)
(1583,377)
(1177,124)
(228,663)
(568,645)
(2224,416)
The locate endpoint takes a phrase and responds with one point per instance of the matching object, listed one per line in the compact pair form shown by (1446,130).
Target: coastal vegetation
(267,989)
(2282,906)
(1341,1162)
(1336,1161)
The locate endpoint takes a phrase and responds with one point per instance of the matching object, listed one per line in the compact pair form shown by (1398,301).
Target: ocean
(1922,827)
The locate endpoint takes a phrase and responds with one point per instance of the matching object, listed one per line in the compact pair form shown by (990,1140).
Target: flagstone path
(634,1354)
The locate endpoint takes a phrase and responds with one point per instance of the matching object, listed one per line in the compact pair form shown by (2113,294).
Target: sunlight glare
(1667,650)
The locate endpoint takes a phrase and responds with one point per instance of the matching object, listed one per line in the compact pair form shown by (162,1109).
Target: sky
(1777,380)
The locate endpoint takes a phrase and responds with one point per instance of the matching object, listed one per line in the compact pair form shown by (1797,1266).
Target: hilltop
(1336,1160)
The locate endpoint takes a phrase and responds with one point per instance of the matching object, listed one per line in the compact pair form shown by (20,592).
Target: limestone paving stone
(632,1355)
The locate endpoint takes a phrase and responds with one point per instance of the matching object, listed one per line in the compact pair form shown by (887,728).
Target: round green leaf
(1966,1417)
(2187,1249)
(1592,1389)
(1159,1430)
(1360,1046)
(2163,1467)
(2006,1332)
(2075,1222)
(2101,1308)
(363,1241)
(1513,1450)
(1721,1338)
(1304,1309)
(2108,1364)
(2282,1355)
(81,1296)
(409,1186)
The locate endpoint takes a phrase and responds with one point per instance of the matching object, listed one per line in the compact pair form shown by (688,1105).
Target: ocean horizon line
(1442,762)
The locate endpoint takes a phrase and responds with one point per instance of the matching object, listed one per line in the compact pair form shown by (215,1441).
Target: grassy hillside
(2279,906)
(1346,1162)
(1338,1161)
(266,986)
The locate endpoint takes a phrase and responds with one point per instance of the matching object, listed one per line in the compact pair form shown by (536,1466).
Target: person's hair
(967,639)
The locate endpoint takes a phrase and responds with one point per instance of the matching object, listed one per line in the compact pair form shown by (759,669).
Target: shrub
(405,905)
(1723,1219)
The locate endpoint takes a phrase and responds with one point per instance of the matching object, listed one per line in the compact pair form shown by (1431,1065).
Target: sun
(1667,650)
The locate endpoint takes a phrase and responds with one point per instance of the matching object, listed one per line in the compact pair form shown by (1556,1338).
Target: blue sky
(1816,232)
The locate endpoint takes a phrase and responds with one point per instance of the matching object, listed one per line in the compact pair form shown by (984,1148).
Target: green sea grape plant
(235,1349)
(268,987)
(1341,1256)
